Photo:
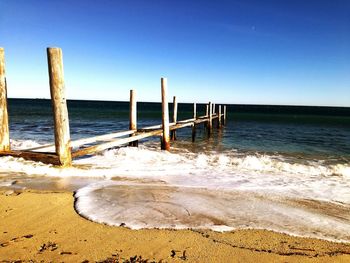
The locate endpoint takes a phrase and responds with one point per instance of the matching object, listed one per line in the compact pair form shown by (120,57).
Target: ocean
(281,168)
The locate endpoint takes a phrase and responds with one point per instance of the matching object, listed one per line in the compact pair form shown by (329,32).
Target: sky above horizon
(289,52)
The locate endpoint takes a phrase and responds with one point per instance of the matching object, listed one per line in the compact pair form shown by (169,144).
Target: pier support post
(194,122)
(206,125)
(194,111)
(224,119)
(165,116)
(210,122)
(173,132)
(133,116)
(59,106)
(194,132)
(4,123)
(219,117)
(213,108)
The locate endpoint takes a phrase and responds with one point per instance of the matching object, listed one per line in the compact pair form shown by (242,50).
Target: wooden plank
(181,125)
(105,137)
(59,106)
(80,142)
(165,145)
(133,116)
(4,123)
(185,121)
(114,143)
(153,127)
(198,121)
(173,132)
(46,147)
(48,158)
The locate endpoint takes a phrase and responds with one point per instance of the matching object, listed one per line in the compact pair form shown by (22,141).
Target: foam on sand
(146,187)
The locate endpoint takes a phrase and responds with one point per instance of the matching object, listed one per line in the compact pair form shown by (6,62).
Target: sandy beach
(42,226)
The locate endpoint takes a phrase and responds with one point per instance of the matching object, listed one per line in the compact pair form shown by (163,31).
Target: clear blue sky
(294,52)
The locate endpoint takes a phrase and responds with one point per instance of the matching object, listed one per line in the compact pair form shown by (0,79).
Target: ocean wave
(145,187)
(211,169)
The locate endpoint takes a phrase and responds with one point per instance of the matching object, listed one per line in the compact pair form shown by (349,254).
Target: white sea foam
(150,205)
(220,190)
(6,183)
(23,144)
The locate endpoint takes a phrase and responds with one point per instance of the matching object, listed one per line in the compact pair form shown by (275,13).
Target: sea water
(280,168)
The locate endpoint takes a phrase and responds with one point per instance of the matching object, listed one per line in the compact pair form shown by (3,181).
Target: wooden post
(213,108)
(133,116)
(165,116)
(224,115)
(207,110)
(194,111)
(4,122)
(219,117)
(59,106)
(173,132)
(193,132)
(210,123)
(194,124)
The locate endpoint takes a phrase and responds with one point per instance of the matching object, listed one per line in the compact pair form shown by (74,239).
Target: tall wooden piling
(219,117)
(210,122)
(224,119)
(133,116)
(207,110)
(4,123)
(59,106)
(173,132)
(194,124)
(165,116)
(194,111)
(193,132)
(213,108)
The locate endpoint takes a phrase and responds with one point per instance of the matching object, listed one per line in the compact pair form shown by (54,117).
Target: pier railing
(64,150)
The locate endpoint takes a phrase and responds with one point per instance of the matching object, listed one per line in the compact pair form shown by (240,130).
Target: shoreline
(43,225)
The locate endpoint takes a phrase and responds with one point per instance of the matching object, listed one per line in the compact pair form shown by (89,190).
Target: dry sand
(44,227)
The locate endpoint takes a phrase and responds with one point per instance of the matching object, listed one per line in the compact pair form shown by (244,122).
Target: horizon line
(240,104)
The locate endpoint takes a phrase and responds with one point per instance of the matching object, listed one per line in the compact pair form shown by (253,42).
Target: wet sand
(43,226)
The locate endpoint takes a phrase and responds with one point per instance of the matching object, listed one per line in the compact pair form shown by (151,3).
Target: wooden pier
(64,150)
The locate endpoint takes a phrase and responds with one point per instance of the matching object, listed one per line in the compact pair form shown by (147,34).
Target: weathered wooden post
(219,117)
(165,116)
(194,111)
(193,132)
(210,123)
(133,116)
(4,123)
(205,124)
(213,108)
(59,106)
(173,132)
(224,115)
(194,122)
